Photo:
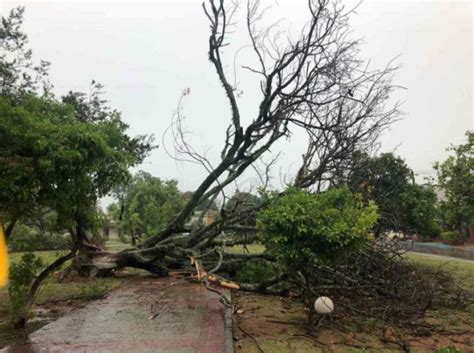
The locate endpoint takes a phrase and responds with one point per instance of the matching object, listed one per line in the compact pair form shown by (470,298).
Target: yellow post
(3,256)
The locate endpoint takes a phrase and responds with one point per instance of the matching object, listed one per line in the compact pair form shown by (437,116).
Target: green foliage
(148,205)
(92,290)
(25,238)
(402,205)
(452,236)
(456,178)
(419,211)
(301,229)
(22,275)
(61,154)
(19,74)
(255,272)
(53,159)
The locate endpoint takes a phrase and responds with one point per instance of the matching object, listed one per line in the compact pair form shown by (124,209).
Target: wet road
(145,315)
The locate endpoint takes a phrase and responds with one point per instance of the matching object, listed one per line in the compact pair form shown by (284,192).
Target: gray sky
(146,53)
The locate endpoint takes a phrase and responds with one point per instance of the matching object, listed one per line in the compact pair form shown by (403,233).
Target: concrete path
(144,315)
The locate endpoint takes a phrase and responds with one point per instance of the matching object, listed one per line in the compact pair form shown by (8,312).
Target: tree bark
(11,226)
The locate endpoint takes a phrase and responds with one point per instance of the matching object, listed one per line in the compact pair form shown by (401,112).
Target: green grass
(116,245)
(253,249)
(46,256)
(463,271)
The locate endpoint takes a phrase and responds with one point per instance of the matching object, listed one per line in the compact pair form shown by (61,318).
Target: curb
(228,330)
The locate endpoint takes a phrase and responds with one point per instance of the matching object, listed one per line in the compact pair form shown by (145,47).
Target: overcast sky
(146,53)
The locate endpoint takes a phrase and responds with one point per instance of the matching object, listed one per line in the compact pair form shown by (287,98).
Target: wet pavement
(144,315)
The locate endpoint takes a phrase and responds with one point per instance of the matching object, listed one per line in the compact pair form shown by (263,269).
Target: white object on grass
(324,305)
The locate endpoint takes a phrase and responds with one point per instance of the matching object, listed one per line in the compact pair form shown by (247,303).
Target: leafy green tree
(402,205)
(18,73)
(300,229)
(53,159)
(456,178)
(420,211)
(148,205)
(59,154)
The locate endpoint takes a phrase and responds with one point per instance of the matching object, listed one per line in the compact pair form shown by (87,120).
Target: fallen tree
(315,84)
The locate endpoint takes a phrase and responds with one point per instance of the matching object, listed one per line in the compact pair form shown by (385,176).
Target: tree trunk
(11,226)
(103,263)
(134,238)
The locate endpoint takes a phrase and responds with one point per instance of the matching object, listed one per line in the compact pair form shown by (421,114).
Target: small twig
(248,335)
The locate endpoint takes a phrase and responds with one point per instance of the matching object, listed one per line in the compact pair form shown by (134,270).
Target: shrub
(300,228)
(22,275)
(452,237)
(25,238)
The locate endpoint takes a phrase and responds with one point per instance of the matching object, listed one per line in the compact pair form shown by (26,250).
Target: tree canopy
(402,204)
(148,205)
(58,153)
(456,178)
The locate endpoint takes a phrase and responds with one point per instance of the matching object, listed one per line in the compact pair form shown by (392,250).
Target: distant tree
(148,205)
(456,178)
(61,155)
(402,205)
(18,72)
(420,211)
(52,159)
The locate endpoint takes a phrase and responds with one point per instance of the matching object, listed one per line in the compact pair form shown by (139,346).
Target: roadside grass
(252,248)
(116,245)
(462,270)
(270,320)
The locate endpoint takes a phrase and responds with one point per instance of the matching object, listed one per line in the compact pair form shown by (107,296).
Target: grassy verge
(463,270)
(252,249)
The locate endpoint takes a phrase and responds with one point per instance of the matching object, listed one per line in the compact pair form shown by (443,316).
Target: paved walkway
(144,315)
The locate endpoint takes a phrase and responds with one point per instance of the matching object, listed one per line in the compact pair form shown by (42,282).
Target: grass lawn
(252,248)
(116,245)
(463,270)
(272,321)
